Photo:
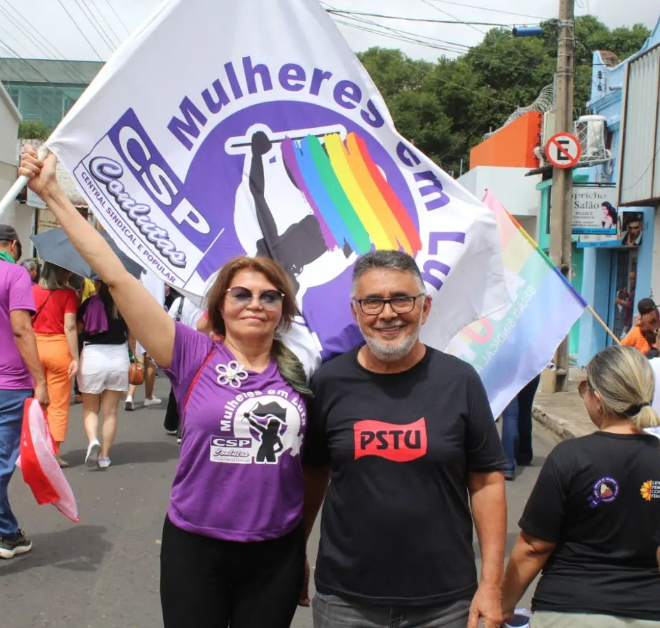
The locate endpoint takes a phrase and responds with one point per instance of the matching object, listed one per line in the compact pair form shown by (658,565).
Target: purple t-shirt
(239,477)
(15,294)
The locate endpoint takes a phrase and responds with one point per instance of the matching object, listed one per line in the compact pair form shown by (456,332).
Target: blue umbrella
(55,247)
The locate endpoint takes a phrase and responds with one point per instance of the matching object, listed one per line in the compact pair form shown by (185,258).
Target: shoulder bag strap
(43,305)
(179,310)
(184,405)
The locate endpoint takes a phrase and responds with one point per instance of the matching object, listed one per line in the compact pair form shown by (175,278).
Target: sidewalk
(564,413)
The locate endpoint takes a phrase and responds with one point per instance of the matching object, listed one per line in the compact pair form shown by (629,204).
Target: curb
(561,428)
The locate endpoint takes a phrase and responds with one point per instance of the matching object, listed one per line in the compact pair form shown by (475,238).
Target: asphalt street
(103,571)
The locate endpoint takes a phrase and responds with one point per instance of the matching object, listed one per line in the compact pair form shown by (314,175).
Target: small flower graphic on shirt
(647,490)
(231,374)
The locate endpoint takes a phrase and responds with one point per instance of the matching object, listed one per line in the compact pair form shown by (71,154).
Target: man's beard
(392,353)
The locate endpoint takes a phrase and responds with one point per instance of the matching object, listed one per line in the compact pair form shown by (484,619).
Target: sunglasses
(583,387)
(268,299)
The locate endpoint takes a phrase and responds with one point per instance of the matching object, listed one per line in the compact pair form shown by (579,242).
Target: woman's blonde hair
(624,379)
(53,277)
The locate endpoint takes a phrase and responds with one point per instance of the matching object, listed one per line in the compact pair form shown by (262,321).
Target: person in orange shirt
(643,335)
(57,342)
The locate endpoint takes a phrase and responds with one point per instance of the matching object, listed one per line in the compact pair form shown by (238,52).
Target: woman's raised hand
(42,174)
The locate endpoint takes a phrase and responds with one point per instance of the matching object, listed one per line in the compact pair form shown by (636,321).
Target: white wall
(19,216)
(515,191)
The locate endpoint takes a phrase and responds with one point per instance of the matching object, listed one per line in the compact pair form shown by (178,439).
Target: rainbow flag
(350,197)
(511,347)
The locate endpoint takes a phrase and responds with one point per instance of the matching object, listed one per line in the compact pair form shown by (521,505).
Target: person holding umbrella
(227,508)
(54,324)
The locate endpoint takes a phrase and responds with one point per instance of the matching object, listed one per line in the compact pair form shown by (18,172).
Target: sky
(60,29)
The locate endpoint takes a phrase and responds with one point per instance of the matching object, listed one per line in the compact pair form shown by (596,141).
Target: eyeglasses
(268,299)
(583,387)
(401,305)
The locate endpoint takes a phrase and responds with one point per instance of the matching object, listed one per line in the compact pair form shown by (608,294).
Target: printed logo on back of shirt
(650,490)
(604,491)
(399,443)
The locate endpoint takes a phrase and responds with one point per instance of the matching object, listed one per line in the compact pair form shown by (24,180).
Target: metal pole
(561,217)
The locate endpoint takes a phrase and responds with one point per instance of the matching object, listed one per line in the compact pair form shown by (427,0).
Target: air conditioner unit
(548,126)
(591,131)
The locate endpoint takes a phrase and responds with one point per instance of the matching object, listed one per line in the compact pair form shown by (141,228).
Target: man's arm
(488,502)
(26,343)
(528,557)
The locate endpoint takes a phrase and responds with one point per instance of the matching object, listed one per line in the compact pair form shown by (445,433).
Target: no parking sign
(563,150)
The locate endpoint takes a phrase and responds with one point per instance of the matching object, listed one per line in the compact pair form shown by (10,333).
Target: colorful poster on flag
(511,347)
(213,133)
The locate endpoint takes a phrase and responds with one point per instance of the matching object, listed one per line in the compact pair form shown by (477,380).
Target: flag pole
(568,283)
(17,188)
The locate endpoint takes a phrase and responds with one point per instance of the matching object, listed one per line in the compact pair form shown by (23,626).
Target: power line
(452,16)
(472,6)
(98,28)
(418,19)
(102,16)
(40,41)
(128,32)
(80,30)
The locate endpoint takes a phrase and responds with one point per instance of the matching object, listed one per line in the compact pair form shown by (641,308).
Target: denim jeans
(330,611)
(11,420)
(517,427)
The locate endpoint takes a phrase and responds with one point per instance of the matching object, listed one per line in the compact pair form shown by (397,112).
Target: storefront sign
(594,210)
(629,233)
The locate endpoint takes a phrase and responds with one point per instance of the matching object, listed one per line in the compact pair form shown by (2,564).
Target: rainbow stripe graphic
(349,195)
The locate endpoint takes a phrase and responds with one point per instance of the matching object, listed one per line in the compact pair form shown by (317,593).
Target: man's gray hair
(396,260)
(29,265)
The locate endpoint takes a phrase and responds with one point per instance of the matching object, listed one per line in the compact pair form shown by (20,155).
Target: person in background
(54,324)
(626,299)
(643,335)
(33,268)
(182,310)
(517,429)
(103,371)
(592,522)
(21,376)
(149,367)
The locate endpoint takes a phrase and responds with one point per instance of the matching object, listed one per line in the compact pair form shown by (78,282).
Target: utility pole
(561,211)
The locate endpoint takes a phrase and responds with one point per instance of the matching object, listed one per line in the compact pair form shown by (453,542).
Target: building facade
(609,262)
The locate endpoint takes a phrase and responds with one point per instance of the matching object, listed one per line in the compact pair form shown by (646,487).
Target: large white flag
(225,128)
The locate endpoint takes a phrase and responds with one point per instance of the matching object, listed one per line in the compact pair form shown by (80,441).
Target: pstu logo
(399,443)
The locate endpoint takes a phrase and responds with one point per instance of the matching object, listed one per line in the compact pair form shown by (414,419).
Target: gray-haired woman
(592,522)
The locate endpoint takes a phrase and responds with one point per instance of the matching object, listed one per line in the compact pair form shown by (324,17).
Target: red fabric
(33,473)
(51,318)
(39,465)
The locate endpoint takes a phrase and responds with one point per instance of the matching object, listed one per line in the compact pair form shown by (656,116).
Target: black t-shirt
(396,527)
(598,498)
(117,333)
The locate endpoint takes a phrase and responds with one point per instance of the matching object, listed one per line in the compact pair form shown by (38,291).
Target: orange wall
(511,146)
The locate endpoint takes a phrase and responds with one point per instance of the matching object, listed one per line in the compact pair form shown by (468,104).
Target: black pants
(209,583)
(172,414)
(525,453)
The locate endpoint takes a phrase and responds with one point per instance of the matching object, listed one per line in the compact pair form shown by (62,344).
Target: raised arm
(146,318)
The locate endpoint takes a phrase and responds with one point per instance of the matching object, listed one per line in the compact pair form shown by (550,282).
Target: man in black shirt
(407,436)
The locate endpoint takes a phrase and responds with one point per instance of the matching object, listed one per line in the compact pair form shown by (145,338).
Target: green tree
(445,108)
(34,131)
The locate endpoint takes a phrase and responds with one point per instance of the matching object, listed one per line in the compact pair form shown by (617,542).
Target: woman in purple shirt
(233,549)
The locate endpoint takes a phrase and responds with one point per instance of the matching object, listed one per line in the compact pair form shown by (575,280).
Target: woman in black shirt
(592,522)
(103,374)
